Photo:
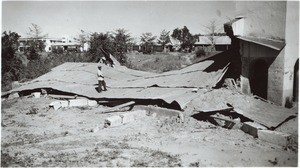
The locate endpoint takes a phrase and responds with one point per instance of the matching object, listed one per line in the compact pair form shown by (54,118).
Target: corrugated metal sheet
(175,86)
(267,114)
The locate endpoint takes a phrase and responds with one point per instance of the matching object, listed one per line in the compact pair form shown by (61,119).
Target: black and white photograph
(149,83)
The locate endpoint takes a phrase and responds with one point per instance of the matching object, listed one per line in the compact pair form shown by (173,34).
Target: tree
(83,37)
(36,44)
(185,37)
(164,38)
(148,42)
(121,41)
(101,45)
(11,69)
(213,31)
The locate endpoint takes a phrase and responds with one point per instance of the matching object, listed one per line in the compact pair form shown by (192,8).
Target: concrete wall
(275,20)
(263,18)
(291,48)
(250,53)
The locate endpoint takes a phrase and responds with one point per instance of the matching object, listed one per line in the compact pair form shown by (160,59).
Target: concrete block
(78,102)
(13,95)
(56,105)
(275,137)
(92,103)
(252,128)
(64,103)
(36,94)
(127,117)
(113,121)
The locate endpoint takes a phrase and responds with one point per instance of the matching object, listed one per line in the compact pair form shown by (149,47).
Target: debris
(44,92)
(224,70)
(36,94)
(262,99)
(228,122)
(56,105)
(113,121)
(118,107)
(229,82)
(195,90)
(13,95)
(252,128)
(275,137)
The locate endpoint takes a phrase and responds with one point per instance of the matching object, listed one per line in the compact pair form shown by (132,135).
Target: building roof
(173,87)
(66,44)
(219,40)
(274,44)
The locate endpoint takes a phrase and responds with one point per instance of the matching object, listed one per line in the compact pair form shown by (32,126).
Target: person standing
(101,82)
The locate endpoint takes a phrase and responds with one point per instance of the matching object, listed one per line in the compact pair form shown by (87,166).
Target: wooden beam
(215,110)
(118,107)
(61,96)
(224,119)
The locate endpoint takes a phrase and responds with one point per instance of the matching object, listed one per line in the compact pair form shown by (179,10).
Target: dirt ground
(32,134)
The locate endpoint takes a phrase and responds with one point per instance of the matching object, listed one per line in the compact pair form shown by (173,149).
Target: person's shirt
(100,75)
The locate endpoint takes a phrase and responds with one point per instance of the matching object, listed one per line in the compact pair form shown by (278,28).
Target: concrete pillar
(252,128)
(275,137)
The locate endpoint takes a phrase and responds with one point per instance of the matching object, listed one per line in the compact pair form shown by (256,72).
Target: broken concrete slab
(56,105)
(252,128)
(13,95)
(163,112)
(92,103)
(113,121)
(64,103)
(275,137)
(78,102)
(36,94)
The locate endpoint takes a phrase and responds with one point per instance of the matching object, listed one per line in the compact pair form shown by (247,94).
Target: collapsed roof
(173,87)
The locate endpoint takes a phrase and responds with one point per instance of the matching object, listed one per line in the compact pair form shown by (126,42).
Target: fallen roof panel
(174,86)
(264,113)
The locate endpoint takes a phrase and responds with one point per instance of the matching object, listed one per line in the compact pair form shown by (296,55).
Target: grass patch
(158,62)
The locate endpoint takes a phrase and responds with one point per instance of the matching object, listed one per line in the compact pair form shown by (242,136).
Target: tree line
(116,43)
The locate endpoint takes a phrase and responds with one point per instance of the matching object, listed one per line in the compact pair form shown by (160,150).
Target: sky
(58,18)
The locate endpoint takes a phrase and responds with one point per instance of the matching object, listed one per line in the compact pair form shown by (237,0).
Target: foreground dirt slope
(65,138)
